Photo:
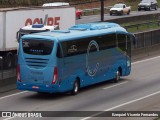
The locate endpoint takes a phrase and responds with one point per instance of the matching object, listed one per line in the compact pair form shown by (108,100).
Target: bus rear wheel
(75,89)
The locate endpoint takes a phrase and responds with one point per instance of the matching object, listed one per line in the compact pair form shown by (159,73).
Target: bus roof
(82,30)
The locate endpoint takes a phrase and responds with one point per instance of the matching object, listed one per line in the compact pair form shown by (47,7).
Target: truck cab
(35,28)
(120,9)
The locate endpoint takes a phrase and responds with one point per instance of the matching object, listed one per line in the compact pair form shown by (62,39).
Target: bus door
(128,53)
(130,40)
(71,61)
(123,46)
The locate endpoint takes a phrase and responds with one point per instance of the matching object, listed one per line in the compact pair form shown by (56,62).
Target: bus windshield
(37,47)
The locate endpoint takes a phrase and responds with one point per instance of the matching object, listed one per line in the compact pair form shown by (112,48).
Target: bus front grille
(36,62)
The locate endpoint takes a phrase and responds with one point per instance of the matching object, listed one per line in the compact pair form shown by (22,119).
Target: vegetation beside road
(79,4)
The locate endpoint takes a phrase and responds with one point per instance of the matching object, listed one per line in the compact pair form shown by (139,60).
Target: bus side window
(64,48)
(107,41)
(59,51)
(75,47)
(122,41)
(128,46)
(70,48)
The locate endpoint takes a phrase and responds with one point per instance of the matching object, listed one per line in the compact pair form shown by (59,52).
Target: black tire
(118,75)
(128,12)
(110,14)
(139,9)
(121,13)
(156,7)
(149,8)
(80,16)
(75,89)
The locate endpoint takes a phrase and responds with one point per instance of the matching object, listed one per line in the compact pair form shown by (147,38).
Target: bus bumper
(38,87)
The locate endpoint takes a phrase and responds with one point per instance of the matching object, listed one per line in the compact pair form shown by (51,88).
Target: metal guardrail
(142,24)
(147,39)
(94,10)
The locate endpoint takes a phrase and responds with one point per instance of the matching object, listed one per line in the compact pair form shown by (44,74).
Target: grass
(80,3)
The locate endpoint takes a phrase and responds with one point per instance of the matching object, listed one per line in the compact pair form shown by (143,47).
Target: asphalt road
(138,92)
(95,18)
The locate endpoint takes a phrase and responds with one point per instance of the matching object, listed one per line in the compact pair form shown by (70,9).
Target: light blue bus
(65,61)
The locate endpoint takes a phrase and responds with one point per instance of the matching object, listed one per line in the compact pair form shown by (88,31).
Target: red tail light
(55,75)
(18,73)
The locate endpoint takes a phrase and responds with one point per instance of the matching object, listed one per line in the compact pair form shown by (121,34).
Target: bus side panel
(105,69)
(74,67)
(109,61)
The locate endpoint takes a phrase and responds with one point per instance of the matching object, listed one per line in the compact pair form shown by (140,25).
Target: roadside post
(102,10)
(1,58)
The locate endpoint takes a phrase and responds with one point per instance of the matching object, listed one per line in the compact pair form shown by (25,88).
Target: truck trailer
(12,19)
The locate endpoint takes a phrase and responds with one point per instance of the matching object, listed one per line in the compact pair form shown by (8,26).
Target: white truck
(12,19)
(120,9)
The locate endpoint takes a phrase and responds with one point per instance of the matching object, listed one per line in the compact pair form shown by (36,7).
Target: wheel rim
(76,87)
(117,76)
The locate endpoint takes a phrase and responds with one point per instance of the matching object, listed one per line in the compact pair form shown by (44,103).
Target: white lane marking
(132,64)
(123,104)
(114,85)
(12,95)
(145,60)
(9,118)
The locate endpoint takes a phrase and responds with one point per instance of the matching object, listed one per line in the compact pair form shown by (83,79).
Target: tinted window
(59,51)
(128,46)
(107,41)
(145,1)
(37,47)
(118,6)
(78,46)
(121,41)
(148,1)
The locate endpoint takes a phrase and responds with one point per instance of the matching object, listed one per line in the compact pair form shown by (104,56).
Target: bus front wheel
(118,74)
(75,89)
